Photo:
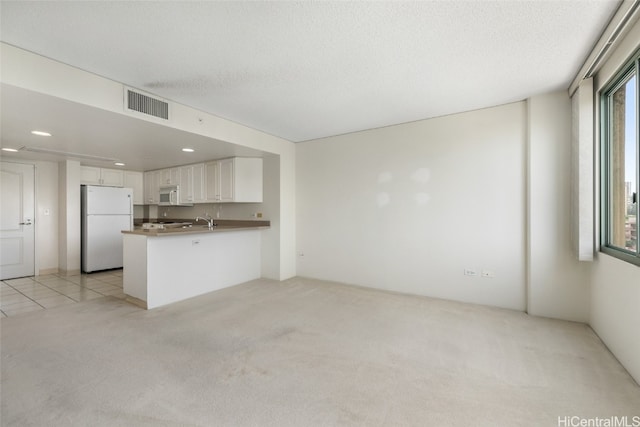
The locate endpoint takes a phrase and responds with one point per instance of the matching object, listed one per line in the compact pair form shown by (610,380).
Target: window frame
(618,80)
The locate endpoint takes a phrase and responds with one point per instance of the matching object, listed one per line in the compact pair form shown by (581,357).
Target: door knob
(27,222)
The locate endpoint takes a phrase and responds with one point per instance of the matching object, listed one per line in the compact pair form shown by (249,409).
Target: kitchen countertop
(223,225)
(196,229)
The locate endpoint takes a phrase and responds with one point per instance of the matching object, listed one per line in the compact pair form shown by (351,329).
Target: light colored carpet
(304,353)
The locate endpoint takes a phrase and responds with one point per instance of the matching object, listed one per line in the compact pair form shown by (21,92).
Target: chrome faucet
(207,218)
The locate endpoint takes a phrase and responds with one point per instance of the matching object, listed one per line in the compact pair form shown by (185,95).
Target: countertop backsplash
(222,211)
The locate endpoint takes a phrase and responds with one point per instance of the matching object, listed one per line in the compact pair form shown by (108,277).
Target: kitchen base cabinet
(160,270)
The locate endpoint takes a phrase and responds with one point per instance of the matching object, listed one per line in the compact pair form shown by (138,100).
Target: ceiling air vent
(145,104)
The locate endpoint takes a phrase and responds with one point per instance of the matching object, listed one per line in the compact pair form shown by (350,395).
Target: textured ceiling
(306,70)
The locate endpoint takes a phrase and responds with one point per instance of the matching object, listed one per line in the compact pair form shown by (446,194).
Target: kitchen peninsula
(162,266)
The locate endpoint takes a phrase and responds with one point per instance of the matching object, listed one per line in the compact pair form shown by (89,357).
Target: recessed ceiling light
(12,150)
(40,133)
(119,164)
(188,150)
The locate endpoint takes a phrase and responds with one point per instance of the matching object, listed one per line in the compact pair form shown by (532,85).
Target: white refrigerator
(106,211)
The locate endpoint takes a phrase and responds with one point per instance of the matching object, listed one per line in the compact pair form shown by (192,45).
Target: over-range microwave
(170,196)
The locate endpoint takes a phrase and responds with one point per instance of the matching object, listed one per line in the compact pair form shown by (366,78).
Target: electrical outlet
(488,274)
(470,272)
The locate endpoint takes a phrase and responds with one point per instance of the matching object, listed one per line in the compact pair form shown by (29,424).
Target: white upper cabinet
(135,181)
(151,181)
(237,179)
(219,183)
(169,177)
(113,177)
(227,184)
(90,175)
(192,184)
(199,183)
(186,184)
(212,176)
(234,180)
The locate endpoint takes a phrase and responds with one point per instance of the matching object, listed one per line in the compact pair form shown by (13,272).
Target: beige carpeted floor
(304,353)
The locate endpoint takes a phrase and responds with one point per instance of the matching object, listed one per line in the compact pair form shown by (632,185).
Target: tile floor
(18,296)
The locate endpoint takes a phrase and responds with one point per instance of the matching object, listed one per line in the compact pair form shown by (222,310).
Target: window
(621,164)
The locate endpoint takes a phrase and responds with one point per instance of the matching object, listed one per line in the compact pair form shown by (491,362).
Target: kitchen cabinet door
(169,177)
(174,176)
(135,181)
(212,174)
(90,175)
(186,184)
(112,177)
(247,180)
(234,180)
(151,180)
(165,177)
(226,180)
(199,184)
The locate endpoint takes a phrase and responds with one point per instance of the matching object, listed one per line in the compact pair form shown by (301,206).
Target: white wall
(46,225)
(69,217)
(615,309)
(408,207)
(558,284)
(615,285)
(271,211)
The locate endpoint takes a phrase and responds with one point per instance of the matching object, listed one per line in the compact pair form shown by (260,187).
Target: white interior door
(17,235)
